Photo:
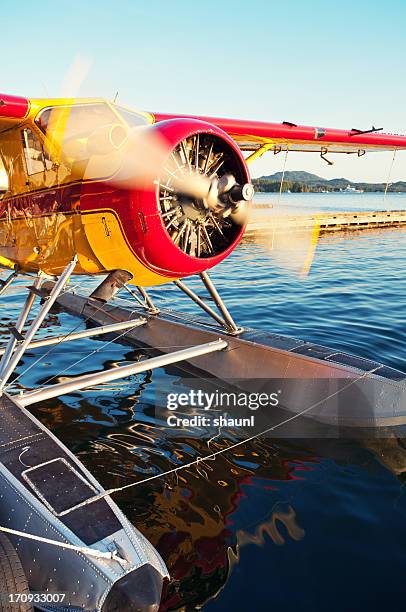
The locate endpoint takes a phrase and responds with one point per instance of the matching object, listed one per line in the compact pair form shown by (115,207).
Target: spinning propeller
(202,197)
(203,191)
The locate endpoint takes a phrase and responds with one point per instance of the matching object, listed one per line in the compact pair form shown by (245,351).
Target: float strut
(198,300)
(13,360)
(97,378)
(111,285)
(10,348)
(151,306)
(228,319)
(147,304)
(86,333)
(6,283)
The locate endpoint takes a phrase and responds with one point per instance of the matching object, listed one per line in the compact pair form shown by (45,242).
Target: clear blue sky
(337,64)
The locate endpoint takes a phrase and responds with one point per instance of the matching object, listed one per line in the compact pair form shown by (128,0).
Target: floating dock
(264,220)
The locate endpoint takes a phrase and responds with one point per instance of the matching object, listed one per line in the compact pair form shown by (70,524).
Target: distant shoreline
(304,182)
(304,189)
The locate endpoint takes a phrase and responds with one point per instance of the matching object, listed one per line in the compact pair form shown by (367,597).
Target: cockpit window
(80,137)
(77,121)
(132,118)
(36,158)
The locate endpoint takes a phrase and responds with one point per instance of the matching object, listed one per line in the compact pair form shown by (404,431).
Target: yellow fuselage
(52,206)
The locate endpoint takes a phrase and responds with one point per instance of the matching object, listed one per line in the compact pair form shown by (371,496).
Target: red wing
(251,135)
(12,109)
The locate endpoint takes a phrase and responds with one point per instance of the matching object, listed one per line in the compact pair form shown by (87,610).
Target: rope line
(389,175)
(91,552)
(283,174)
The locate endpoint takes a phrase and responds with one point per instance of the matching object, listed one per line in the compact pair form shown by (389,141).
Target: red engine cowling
(174,234)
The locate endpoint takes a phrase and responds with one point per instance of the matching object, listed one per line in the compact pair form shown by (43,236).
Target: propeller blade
(75,76)
(144,152)
(291,250)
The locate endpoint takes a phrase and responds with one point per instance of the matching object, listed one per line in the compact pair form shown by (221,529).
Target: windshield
(77,121)
(80,120)
(84,138)
(132,118)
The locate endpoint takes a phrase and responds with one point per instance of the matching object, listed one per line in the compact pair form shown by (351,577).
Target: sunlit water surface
(286,525)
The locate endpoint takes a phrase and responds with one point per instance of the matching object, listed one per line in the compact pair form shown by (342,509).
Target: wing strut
(10,358)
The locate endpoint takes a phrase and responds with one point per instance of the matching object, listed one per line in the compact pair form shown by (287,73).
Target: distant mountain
(295,175)
(299,181)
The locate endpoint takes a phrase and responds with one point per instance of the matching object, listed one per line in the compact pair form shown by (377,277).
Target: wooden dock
(265,220)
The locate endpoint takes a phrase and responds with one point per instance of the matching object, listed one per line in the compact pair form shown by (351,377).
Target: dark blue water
(287,525)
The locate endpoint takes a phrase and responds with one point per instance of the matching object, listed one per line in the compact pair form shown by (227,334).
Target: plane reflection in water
(270,528)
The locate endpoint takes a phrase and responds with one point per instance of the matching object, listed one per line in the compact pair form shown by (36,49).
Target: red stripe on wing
(257,132)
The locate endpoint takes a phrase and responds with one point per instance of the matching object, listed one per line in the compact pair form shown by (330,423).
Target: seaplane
(90,188)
